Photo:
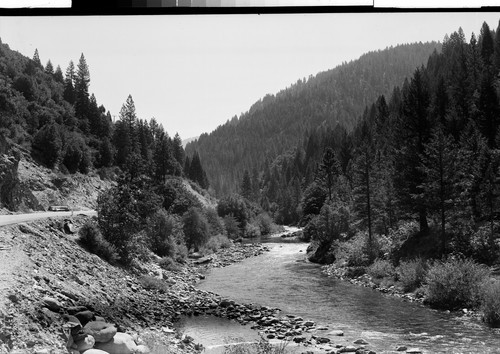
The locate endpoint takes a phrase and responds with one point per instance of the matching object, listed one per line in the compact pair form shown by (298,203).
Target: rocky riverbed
(55,297)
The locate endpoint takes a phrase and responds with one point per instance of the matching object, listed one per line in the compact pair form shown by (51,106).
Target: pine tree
(412,133)
(196,172)
(496,55)
(329,170)
(82,80)
(487,45)
(36,59)
(58,75)
(122,142)
(441,168)
(69,88)
(364,179)
(178,150)
(246,186)
(129,119)
(489,110)
(161,155)
(94,116)
(49,69)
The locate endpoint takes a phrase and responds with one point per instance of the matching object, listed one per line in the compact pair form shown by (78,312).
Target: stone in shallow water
(414,351)
(361,341)
(336,332)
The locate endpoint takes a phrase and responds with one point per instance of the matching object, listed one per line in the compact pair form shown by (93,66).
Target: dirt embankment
(42,266)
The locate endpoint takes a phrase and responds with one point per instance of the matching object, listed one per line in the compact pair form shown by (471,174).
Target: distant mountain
(279,122)
(188,140)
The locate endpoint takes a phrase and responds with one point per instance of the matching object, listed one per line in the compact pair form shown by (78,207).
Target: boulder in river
(336,332)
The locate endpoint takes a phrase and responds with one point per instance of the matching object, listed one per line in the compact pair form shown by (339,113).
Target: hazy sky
(193,73)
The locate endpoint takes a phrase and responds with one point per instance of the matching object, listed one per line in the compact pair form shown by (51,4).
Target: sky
(194,72)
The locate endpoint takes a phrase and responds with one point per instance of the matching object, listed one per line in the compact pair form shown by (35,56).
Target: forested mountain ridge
(279,122)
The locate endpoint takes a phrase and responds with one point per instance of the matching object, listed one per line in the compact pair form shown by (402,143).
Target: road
(19,218)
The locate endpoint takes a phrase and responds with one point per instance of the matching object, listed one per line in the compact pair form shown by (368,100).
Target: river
(282,278)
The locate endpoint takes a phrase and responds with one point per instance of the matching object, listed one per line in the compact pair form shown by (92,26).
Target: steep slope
(278,122)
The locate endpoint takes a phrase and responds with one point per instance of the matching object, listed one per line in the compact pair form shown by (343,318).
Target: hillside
(52,120)
(278,122)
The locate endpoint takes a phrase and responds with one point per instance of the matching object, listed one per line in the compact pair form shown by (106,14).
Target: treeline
(423,162)
(274,124)
(54,117)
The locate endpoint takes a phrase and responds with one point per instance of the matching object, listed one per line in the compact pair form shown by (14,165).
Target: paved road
(19,218)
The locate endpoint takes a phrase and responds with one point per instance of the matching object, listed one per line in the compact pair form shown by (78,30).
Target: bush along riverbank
(454,284)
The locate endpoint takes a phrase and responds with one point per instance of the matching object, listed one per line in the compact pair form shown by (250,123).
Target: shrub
(217,242)
(491,303)
(232,227)
(483,246)
(311,230)
(252,231)
(313,199)
(215,222)
(265,224)
(353,251)
(47,144)
(411,274)
(168,263)
(123,210)
(455,284)
(181,252)
(234,205)
(196,229)
(160,230)
(381,269)
(354,272)
(176,198)
(153,283)
(91,239)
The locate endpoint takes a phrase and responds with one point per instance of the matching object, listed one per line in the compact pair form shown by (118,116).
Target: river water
(282,278)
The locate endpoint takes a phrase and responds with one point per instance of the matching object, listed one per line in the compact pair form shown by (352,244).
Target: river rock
(361,341)
(95,351)
(101,331)
(142,349)
(347,349)
(85,317)
(85,343)
(414,351)
(69,227)
(72,310)
(401,348)
(336,332)
(122,343)
(308,323)
(52,304)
